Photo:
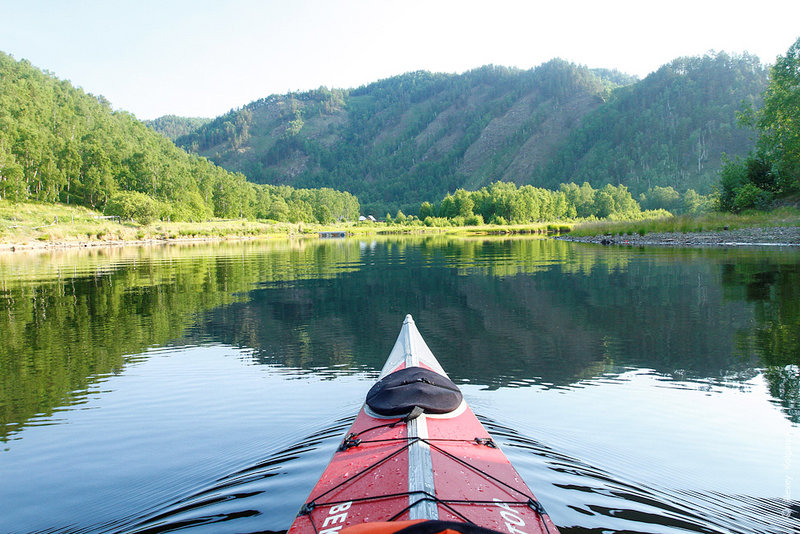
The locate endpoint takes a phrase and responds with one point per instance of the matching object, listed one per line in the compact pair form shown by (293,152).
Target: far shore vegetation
(73,171)
(45,224)
(707,222)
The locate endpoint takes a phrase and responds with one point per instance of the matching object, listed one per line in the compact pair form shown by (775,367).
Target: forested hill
(60,144)
(418,136)
(172,126)
(670,129)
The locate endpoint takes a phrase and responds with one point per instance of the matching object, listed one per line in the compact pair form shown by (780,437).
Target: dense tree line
(505,203)
(59,144)
(772,169)
(669,199)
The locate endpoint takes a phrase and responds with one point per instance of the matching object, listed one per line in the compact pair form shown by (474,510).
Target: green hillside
(670,129)
(172,126)
(416,137)
(60,144)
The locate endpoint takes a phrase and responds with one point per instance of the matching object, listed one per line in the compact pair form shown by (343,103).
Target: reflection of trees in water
(68,320)
(498,312)
(784,385)
(61,335)
(504,313)
(774,290)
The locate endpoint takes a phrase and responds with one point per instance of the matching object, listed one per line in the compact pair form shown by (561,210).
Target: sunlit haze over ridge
(201,58)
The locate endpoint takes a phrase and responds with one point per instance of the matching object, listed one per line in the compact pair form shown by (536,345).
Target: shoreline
(777,236)
(116,243)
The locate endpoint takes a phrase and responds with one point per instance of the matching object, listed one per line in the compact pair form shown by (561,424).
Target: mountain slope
(409,138)
(415,137)
(670,129)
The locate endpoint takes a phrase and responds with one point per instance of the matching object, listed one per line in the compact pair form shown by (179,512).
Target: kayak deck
(431,466)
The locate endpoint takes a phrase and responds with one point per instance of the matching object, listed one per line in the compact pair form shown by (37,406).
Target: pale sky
(201,58)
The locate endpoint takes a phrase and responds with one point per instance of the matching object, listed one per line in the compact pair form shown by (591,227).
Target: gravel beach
(782,236)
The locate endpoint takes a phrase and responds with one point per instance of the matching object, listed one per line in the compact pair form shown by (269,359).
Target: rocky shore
(782,236)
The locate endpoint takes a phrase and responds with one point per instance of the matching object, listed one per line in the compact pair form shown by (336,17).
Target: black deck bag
(413,387)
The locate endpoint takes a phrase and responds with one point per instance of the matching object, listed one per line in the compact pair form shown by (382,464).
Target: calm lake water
(205,387)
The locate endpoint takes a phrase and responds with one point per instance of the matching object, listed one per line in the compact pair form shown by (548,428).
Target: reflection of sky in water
(696,435)
(163,428)
(192,432)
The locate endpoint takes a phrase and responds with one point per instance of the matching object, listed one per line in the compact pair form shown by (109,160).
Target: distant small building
(361,218)
(371,218)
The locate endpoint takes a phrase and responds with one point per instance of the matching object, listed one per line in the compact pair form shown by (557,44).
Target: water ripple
(611,503)
(268,490)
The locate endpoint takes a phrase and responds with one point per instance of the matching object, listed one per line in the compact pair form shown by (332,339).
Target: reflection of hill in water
(555,315)
(498,312)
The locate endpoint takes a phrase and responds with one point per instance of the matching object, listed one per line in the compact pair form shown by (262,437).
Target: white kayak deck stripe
(420,472)
(420,465)
(411,355)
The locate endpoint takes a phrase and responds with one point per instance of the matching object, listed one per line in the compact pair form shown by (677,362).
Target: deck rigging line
(421,496)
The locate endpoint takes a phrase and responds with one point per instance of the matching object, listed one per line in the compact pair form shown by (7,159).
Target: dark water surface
(205,387)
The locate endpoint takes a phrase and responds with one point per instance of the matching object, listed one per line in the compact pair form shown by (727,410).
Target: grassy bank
(43,224)
(708,222)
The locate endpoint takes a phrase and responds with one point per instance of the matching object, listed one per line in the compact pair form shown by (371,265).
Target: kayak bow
(416,451)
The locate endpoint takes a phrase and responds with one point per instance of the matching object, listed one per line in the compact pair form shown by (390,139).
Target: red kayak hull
(444,467)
